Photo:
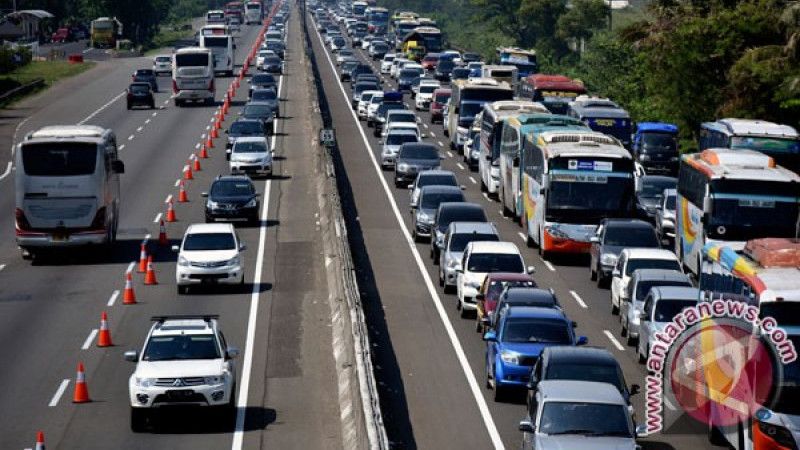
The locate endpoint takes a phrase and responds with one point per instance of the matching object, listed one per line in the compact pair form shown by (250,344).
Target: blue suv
(520,335)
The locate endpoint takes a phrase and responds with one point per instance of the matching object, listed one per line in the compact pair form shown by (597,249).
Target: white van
(220,41)
(253,13)
(67,188)
(216,16)
(193,75)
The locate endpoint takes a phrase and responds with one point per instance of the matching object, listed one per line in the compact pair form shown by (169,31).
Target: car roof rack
(205,317)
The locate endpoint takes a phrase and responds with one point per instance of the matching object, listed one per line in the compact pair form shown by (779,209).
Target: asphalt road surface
(431,361)
(49,308)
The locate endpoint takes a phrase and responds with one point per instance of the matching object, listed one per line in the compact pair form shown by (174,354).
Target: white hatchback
(251,155)
(386,63)
(209,254)
(632,259)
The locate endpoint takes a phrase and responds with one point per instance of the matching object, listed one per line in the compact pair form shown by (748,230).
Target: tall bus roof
(717,163)
(659,127)
(586,106)
(555,83)
(377,9)
(67,131)
(516,50)
(749,127)
(581,143)
(505,108)
(186,50)
(770,266)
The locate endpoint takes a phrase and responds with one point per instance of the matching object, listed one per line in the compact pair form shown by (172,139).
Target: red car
(440,97)
(62,35)
(429,61)
(490,291)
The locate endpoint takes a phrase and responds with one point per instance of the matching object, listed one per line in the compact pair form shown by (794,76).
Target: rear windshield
(191,60)
(410,73)
(263,78)
(643,287)
(603,373)
(250,147)
(396,117)
(419,152)
(495,262)
(445,180)
(631,237)
(246,128)
(459,241)
(264,94)
(668,264)
(59,160)
(441,98)
(257,110)
(432,200)
(526,330)
(140,88)
(209,241)
(163,59)
(398,139)
(427,89)
(666,310)
(461,215)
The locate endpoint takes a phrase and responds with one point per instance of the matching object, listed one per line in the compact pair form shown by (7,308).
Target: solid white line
(113,298)
(440,144)
(522,236)
(460,166)
(89,339)
(139,129)
(59,392)
(578,299)
(475,388)
(549,266)
(158,218)
(8,171)
(669,404)
(432,133)
(614,340)
(473,180)
(100,109)
(130,267)
(247,363)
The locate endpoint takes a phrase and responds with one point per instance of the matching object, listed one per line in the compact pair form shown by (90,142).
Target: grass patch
(50,71)
(168,35)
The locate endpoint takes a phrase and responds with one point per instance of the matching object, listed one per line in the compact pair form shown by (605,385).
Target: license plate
(180,393)
(59,237)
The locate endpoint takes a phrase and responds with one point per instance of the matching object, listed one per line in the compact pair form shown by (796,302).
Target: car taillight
(211,86)
(174,87)
(22,221)
(99,219)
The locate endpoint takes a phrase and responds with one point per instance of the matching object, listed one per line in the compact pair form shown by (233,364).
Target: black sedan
(232,197)
(140,94)
(263,112)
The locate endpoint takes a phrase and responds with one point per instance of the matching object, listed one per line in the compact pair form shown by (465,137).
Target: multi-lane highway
(50,309)
(431,361)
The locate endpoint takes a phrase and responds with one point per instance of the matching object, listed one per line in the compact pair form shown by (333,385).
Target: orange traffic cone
(171,212)
(150,276)
(203,152)
(182,197)
(162,233)
(143,258)
(81,393)
(196,163)
(39,441)
(104,337)
(129,297)
(209,142)
(187,172)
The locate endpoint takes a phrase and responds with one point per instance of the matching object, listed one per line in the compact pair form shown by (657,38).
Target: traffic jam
(498,166)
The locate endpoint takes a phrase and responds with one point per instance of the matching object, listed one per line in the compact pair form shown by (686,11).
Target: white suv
(386,63)
(184,361)
(631,259)
(251,155)
(210,253)
(480,258)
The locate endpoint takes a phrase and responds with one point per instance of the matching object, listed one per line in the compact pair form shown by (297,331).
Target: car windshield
(257,110)
(642,263)
(468,110)
(666,310)
(181,346)
(431,200)
(140,88)
(496,286)
(643,287)
(459,241)
(250,147)
(495,262)
(209,241)
(603,373)
(264,95)
(587,419)
(246,128)
(448,216)
(655,188)
(662,140)
(442,180)
(345,52)
(418,152)
(408,74)
(461,72)
(441,98)
(402,117)
(533,330)
(631,237)
(427,89)
(231,188)
(272,59)
(399,139)
(192,59)
(163,59)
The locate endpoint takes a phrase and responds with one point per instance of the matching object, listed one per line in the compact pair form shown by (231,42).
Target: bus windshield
(59,160)
(191,60)
(747,209)
(590,197)
(215,41)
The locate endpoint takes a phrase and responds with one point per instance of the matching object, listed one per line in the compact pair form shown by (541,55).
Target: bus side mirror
(117,166)
(707,205)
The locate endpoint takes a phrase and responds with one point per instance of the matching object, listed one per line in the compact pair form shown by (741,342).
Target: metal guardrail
(21,89)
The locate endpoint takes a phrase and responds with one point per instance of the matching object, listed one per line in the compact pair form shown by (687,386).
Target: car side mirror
(131,355)
(232,352)
(411,187)
(204,194)
(463,188)
(490,336)
(117,166)
(634,389)
(176,248)
(643,316)
(533,383)
(531,270)
(641,431)
(574,324)
(594,239)
(526,426)
(582,340)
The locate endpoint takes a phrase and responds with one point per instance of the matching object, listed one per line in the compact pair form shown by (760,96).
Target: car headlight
(182,261)
(233,261)
(608,259)
(402,167)
(212,204)
(454,264)
(252,203)
(475,154)
(144,382)
(217,379)
(510,357)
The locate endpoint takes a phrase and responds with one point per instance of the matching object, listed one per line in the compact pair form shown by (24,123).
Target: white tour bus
(216,16)
(67,188)
(731,196)
(253,13)
(193,75)
(220,41)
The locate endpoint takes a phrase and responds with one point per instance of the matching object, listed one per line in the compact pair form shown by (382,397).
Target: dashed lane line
(130,267)
(59,392)
(460,166)
(122,147)
(449,153)
(158,218)
(113,298)
(130,138)
(578,299)
(440,143)
(549,266)
(89,339)
(140,129)
(100,109)
(473,180)
(614,340)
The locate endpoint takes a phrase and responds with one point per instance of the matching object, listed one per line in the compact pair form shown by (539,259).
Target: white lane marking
(59,392)
(247,363)
(147,121)
(522,236)
(100,109)
(121,147)
(166,101)
(130,267)
(139,129)
(449,153)
(486,196)
(426,126)
(208,127)
(8,171)
(473,180)
(2,266)
(147,237)
(130,138)
(578,299)
(460,166)
(203,136)
(212,120)
(158,218)
(89,339)
(614,340)
(155,114)
(177,182)
(475,388)
(440,143)
(113,298)
(197,146)
(432,133)
(167,200)
(549,266)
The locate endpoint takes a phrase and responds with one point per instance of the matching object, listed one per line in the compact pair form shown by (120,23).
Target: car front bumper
(158,396)
(248,168)
(189,275)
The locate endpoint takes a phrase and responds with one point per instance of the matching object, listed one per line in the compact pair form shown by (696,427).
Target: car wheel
(464,313)
(183,290)
(138,419)
(448,289)
(614,308)
(499,393)
(641,358)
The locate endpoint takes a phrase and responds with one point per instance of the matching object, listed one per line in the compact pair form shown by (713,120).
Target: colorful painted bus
(781,142)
